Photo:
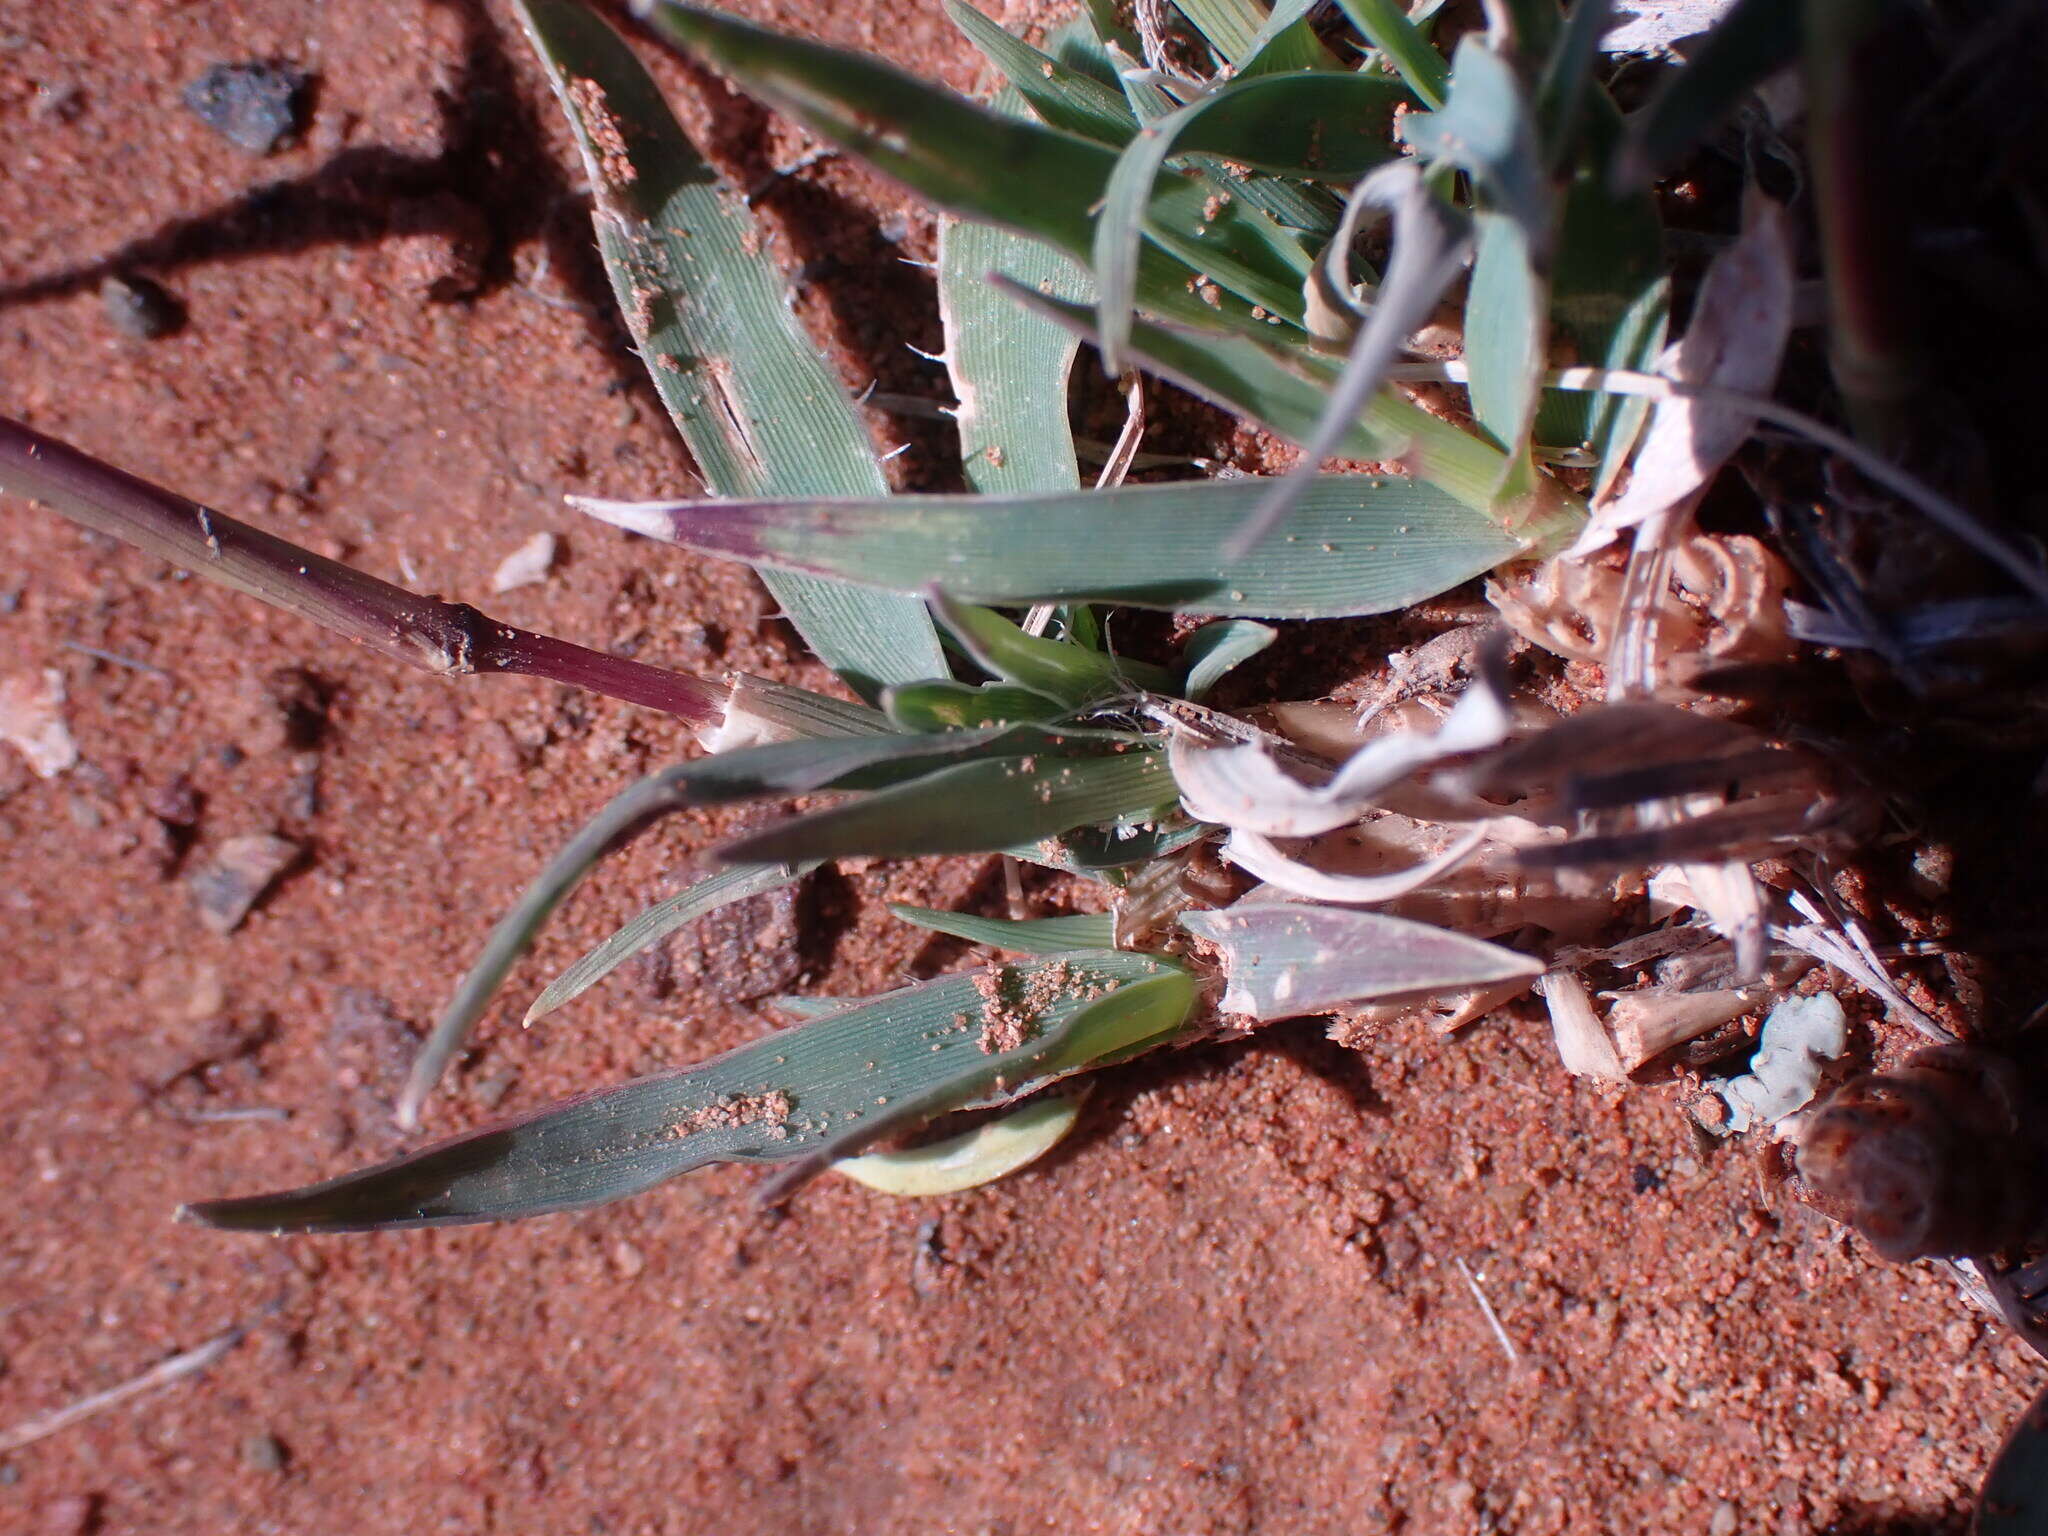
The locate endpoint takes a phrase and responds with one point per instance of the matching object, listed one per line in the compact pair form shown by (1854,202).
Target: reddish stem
(452,639)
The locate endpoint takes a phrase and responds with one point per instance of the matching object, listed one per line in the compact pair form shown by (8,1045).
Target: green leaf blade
(1058,669)
(817,1090)
(982,165)
(746,386)
(1288,396)
(1356,544)
(1009,366)
(1338,120)
(974,808)
(655,923)
(1062,96)
(1024,936)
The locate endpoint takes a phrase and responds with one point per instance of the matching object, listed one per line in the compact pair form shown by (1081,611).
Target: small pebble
(488,1090)
(75,1514)
(137,307)
(174,802)
(254,105)
(264,1452)
(58,101)
(241,870)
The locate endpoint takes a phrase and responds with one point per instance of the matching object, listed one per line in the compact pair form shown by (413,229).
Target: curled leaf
(981,1156)
(1258,856)
(1245,787)
(1740,324)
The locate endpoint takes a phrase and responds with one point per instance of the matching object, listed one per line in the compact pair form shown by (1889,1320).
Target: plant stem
(452,639)
(1855,80)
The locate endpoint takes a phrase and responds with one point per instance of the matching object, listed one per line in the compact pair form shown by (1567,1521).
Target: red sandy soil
(1234,1303)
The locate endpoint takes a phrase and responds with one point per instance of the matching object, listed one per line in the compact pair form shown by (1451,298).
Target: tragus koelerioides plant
(1327,226)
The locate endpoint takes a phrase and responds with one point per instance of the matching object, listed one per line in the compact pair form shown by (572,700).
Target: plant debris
(1800,1036)
(32,721)
(526,565)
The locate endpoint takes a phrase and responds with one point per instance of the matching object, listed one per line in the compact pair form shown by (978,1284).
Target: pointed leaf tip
(644,518)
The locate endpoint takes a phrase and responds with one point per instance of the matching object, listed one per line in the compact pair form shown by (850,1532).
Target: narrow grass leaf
(1104,852)
(1609,302)
(1485,129)
(1082,44)
(980,1156)
(1356,544)
(1505,333)
(750,391)
(803,1091)
(1214,649)
(1009,366)
(1059,669)
(1634,344)
(1294,119)
(974,808)
(1321,125)
(1062,96)
(978,164)
(1230,26)
(1128,1022)
(1289,396)
(657,922)
(961,706)
(1430,240)
(1385,24)
(1285,42)
(1567,80)
(1285,959)
(1488,129)
(808,1008)
(782,768)
(1607,270)
(1025,936)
